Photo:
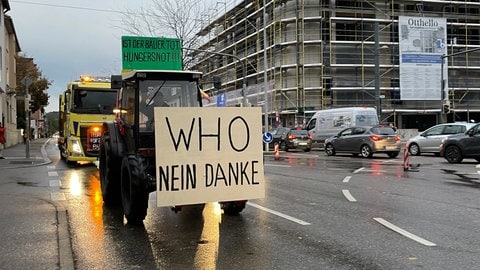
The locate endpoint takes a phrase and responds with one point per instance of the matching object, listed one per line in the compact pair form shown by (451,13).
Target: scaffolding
(322,54)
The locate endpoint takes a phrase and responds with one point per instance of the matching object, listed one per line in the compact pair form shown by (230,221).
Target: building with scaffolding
(320,54)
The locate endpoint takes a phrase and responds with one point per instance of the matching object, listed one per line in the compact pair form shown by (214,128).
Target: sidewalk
(34,230)
(16,156)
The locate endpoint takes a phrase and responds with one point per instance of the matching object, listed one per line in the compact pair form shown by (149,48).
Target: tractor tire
(134,189)
(109,173)
(233,208)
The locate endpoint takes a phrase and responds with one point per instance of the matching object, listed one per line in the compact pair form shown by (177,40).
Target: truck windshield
(164,93)
(94,101)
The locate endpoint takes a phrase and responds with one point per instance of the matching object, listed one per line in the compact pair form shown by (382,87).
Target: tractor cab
(142,91)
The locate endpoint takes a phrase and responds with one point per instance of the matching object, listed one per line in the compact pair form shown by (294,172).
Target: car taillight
(292,137)
(397,138)
(309,137)
(375,138)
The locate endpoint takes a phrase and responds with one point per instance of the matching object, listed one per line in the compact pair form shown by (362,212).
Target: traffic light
(446,108)
(217,82)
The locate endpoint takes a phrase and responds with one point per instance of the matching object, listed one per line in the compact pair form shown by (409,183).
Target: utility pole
(265,77)
(378,100)
(26,81)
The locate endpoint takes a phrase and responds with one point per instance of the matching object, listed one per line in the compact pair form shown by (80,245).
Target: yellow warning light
(85,78)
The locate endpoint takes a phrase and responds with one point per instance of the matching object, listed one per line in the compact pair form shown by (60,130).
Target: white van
(326,123)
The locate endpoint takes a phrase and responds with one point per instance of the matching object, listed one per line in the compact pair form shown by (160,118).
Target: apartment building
(319,54)
(9,48)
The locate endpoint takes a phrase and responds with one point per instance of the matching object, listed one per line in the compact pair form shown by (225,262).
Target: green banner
(150,53)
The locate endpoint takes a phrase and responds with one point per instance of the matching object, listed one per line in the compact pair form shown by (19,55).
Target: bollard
(277,153)
(406,155)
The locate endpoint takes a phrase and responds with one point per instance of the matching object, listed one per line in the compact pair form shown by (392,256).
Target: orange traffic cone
(277,152)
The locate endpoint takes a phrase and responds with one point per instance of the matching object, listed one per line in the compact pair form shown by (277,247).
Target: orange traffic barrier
(277,152)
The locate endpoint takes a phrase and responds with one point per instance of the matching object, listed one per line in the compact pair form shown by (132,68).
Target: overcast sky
(66,42)
(67,38)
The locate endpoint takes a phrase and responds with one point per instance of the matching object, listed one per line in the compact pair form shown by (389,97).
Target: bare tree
(168,18)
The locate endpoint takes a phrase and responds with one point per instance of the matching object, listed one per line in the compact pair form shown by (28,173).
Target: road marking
(55,183)
(52,174)
(404,233)
(349,196)
(296,220)
(51,167)
(57,196)
(346,179)
(359,170)
(277,165)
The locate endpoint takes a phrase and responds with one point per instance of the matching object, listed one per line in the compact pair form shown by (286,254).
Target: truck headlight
(76,147)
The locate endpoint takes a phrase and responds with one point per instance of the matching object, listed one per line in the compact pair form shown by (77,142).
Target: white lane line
(52,174)
(55,183)
(57,196)
(404,233)
(359,170)
(277,165)
(346,179)
(349,196)
(51,167)
(478,166)
(296,220)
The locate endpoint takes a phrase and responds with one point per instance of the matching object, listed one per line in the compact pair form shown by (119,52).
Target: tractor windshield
(164,93)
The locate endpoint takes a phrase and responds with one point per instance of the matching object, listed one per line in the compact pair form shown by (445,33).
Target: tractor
(127,146)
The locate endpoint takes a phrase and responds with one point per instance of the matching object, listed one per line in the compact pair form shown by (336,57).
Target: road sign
(222,100)
(150,53)
(267,137)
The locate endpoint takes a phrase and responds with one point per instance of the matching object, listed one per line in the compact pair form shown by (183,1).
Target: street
(320,212)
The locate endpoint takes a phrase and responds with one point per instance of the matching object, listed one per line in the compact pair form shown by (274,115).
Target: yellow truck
(83,107)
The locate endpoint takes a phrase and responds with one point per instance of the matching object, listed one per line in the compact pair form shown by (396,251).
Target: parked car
(429,140)
(457,147)
(279,135)
(364,141)
(298,139)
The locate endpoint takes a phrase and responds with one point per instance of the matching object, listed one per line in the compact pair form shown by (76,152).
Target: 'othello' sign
(208,154)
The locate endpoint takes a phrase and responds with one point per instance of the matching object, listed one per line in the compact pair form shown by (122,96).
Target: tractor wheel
(109,174)
(233,208)
(134,189)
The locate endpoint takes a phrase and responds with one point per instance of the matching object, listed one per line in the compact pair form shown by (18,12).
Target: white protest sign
(208,155)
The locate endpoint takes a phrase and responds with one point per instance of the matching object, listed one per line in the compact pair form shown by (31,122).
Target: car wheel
(366,151)
(414,149)
(329,150)
(453,154)
(393,154)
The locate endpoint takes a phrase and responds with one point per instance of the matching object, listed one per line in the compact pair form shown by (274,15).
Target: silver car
(364,141)
(429,140)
